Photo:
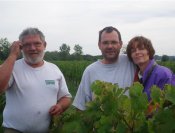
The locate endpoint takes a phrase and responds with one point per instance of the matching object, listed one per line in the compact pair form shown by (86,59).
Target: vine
(112,111)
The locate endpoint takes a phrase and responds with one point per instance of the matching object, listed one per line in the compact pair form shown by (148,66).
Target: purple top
(160,76)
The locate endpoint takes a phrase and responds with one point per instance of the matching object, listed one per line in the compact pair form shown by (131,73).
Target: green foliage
(165,58)
(57,56)
(64,51)
(4,48)
(51,56)
(2,104)
(78,50)
(170,93)
(77,55)
(169,64)
(64,54)
(112,111)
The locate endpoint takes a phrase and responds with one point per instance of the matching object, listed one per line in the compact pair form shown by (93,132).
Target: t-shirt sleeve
(11,81)
(84,93)
(63,89)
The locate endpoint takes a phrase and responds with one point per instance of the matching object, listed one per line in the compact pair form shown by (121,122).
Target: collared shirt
(140,77)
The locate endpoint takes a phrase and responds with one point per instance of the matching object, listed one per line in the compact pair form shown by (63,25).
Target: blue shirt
(160,76)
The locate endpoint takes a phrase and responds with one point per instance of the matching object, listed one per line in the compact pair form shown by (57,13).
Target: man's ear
(99,46)
(45,44)
(121,43)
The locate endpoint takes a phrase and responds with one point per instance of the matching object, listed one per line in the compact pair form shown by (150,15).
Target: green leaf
(156,94)
(74,127)
(97,87)
(121,128)
(139,100)
(136,89)
(170,93)
(164,121)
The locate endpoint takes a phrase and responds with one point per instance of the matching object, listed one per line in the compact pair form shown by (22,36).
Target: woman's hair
(141,42)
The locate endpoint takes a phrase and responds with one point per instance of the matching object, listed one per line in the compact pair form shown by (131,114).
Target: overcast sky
(79,21)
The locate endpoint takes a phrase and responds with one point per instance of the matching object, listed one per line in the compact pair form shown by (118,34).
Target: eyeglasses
(35,44)
(106,43)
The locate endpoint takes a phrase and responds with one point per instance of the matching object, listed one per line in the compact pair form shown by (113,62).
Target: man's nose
(32,46)
(110,44)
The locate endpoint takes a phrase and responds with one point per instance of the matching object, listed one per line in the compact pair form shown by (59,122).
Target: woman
(141,52)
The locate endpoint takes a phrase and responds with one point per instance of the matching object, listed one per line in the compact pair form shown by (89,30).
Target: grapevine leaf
(121,128)
(164,121)
(97,87)
(136,89)
(139,100)
(74,127)
(170,93)
(156,94)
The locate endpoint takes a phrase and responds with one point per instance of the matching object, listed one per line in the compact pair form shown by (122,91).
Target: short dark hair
(142,41)
(109,29)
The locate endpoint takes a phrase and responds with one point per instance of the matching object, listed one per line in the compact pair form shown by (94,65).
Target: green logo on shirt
(50,82)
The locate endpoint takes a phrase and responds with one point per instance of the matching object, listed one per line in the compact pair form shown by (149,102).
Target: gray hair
(31,31)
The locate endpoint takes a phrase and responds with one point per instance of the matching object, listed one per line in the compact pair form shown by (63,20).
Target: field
(73,71)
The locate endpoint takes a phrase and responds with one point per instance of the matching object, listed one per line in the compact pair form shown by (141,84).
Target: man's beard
(34,60)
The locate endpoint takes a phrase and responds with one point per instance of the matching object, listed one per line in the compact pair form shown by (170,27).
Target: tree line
(64,53)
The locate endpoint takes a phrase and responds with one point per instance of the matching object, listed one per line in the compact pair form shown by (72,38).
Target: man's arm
(61,106)
(7,67)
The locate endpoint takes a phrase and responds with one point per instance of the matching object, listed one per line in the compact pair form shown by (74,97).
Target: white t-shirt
(31,93)
(120,72)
